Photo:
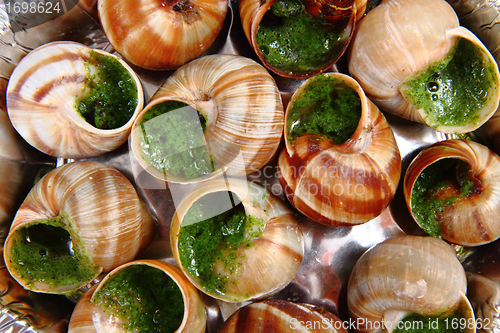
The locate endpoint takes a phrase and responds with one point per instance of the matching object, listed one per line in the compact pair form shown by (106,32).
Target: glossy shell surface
(41,103)
(472,221)
(241,103)
(160,35)
(274,257)
(401,275)
(89,317)
(104,213)
(281,316)
(342,184)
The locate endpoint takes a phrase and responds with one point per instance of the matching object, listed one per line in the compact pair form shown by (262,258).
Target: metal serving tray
(330,252)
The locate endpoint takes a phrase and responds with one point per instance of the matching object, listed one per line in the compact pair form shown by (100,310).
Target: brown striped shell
(342,184)
(398,40)
(159,34)
(339,15)
(280,316)
(272,258)
(471,220)
(242,107)
(88,317)
(41,102)
(407,274)
(99,209)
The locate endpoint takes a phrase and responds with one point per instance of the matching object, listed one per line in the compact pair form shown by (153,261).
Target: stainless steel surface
(330,252)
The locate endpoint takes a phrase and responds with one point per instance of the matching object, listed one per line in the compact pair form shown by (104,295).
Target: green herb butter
(144,297)
(326,107)
(203,241)
(452,91)
(290,39)
(110,93)
(438,186)
(44,252)
(173,140)
(417,323)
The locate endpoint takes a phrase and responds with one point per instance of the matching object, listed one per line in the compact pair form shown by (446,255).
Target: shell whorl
(161,35)
(241,102)
(471,221)
(348,183)
(41,102)
(101,207)
(404,274)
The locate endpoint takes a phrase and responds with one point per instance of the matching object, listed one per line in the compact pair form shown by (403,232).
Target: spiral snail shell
(224,111)
(336,174)
(421,65)
(79,220)
(299,38)
(70,101)
(407,275)
(278,316)
(177,306)
(161,35)
(235,241)
(452,191)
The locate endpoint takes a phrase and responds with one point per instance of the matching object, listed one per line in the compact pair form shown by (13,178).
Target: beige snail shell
(407,274)
(85,210)
(274,315)
(338,16)
(242,107)
(470,220)
(42,97)
(89,317)
(347,183)
(399,40)
(161,35)
(260,267)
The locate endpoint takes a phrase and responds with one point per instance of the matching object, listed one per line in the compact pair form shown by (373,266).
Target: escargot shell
(43,97)
(293,26)
(90,316)
(277,316)
(270,251)
(83,214)
(340,183)
(421,65)
(408,274)
(240,103)
(161,35)
(470,219)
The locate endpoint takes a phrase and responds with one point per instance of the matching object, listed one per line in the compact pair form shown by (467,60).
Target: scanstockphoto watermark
(433,324)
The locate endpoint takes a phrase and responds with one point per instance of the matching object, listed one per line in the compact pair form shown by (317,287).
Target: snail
(274,315)
(419,64)
(299,38)
(218,113)
(451,190)
(161,35)
(79,220)
(235,241)
(409,280)
(70,101)
(166,303)
(341,164)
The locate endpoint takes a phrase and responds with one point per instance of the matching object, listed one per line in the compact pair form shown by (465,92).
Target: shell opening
(109,99)
(158,305)
(299,37)
(48,256)
(440,185)
(326,107)
(457,91)
(214,233)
